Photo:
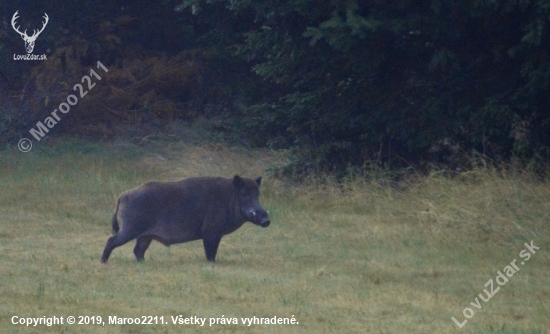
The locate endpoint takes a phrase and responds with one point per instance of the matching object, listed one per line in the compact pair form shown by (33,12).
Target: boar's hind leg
(141,246)
(115,241)
(211,244)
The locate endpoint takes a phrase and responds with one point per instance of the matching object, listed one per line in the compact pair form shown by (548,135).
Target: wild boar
(204,208)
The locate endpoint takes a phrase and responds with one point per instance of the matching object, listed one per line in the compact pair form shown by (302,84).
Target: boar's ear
(258,181)
(238,182)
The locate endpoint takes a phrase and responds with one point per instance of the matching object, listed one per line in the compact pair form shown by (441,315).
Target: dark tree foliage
(341,84)
(399,82)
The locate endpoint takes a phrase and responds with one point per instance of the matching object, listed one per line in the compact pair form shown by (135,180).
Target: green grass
(359,257)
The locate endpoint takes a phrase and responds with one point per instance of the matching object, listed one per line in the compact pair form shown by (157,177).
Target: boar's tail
(114,221)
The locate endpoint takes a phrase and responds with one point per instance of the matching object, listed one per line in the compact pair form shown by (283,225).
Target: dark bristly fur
(204,208)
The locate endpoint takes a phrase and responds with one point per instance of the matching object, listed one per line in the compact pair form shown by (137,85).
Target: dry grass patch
(357,257)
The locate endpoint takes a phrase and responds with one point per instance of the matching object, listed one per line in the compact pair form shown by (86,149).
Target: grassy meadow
(356,257)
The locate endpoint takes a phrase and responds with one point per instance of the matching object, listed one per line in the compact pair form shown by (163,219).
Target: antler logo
(29,40)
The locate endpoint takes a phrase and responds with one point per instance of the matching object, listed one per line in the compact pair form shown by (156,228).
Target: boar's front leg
(211,243)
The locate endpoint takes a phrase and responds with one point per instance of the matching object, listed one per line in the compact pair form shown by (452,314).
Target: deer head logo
(29,40)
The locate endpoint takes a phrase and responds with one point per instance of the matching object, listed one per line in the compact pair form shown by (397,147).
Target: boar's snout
(259,217)
(265,222)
